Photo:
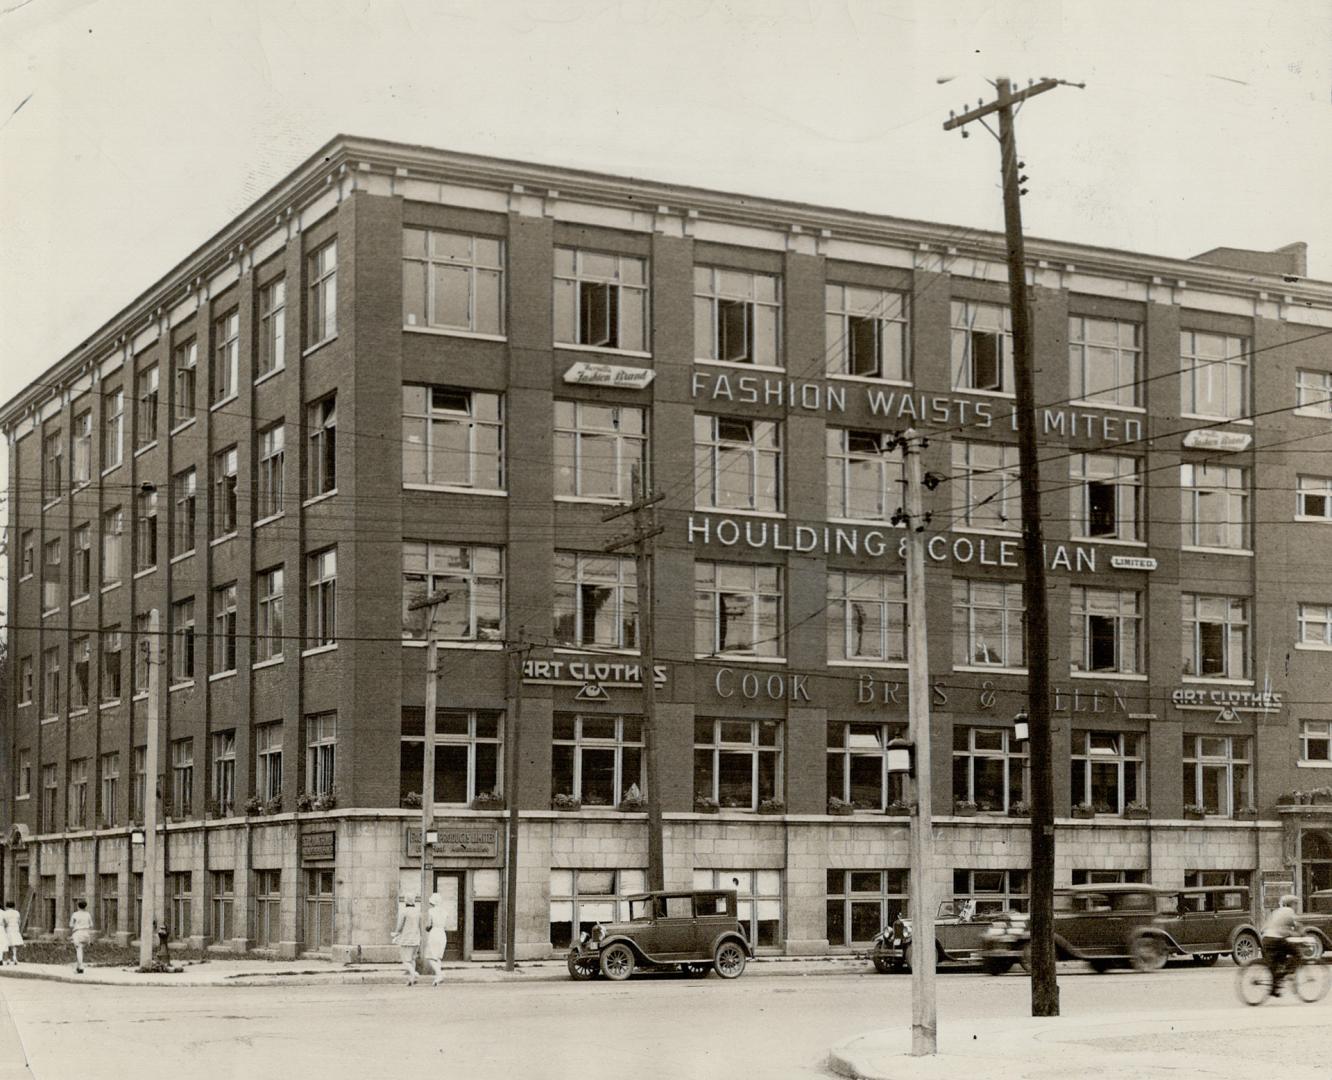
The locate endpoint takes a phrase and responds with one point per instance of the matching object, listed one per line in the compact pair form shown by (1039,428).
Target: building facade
(406,370)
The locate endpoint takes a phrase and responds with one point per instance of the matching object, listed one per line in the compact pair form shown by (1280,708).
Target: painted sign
(1195,697)
(623,378)
(465,843)
(316,846)
(1211,439)
(579,672)
(1132,562)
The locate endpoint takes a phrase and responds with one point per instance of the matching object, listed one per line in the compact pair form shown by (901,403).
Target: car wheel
(1205,959)
(1314,950)
(617,961)
(997,967)
(1148,953)
(1101,966)
(1246,949)
(581,967)
(884,965)
(1025,959)
(729,960)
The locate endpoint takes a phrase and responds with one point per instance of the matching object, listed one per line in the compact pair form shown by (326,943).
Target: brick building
(406,369)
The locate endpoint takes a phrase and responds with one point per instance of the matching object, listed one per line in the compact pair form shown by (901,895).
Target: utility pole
(1044,984)
(645,528)
(511,798)
(428,603)
(148,917)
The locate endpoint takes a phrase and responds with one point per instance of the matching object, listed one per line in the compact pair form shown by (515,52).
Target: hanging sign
(624,378)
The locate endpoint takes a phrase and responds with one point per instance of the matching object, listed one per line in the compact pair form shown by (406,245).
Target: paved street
(758,1026)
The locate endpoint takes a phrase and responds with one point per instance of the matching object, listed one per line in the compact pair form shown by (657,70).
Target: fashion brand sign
(1207,698)
(578,672)
(625,378)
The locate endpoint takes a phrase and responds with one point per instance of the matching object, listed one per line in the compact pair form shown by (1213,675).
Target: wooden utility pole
(511,799)
(428,604)
(645,529)
(148,917)
(1044,984)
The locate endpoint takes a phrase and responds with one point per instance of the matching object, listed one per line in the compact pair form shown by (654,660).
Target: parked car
(1317,922)
(957,938)
(695,932)
(1201,924)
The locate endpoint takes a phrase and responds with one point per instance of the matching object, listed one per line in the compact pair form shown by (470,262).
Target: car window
(678,907)
(640,910)
(946,910)
(1133,901)
(1231,901)
(709,905)
(1169,904)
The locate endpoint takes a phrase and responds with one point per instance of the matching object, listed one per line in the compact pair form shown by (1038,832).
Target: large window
(321,452)
(180,887)
(321,599)
(146,644)
(989,489)
(1316,740)
(866,332)
(224,628)
(268,595)
(225,465)
(1215,375)
(982,346)
(1313,392)
(321,742)
(1106,630)
(78,794)
(990,768)
(1313,498)
(145,397)
(182,777)
(452,281)
(736,316)
(738,763)
(222,923)
(596,600)
(452,438)
(597,759)
(1104,360)
(184,368)
(53,466)
(864,474)
(737,610)
(1315,624)
(600,450)
(182,640)
(1218,774)
(992,891)
(472,575)
(113,534)
(80,464)
(862,902)
(223,794)
(226,355)
(272,462)
(110,773)
(866,617)
(1108,770)
(112,643)
(1216,636)
(988,623)
(858,765)
(52,575)
(1107,496)
(758,904)
(467,754)
(138,782)
(113,428)
(184,495)
(51,681)
(579,899)
(80,663)
(322,281)
(267,907)
(600,300)
(50,800)
(737,463)
(145,525)
(1214,510)
(80,559)
(272,326)
(268,761)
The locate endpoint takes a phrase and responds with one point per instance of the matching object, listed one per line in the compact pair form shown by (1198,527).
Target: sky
(132,130)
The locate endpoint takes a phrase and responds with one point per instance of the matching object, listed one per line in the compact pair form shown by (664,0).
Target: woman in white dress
(11,936)
(437,938)
(81,927)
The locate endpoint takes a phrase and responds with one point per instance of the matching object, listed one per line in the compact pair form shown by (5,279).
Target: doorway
(1316,854)
(449,885)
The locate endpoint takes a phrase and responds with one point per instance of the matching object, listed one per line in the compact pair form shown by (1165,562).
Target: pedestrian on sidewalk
(437,938)
(81,925)
(408,936)
(11,936)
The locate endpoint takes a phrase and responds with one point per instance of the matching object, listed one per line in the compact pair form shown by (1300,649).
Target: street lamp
(901,757)
(1021,730)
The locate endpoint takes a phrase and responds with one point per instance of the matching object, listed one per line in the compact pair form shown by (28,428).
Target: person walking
(11,936)
(408,936)
(437,938)
(81,926)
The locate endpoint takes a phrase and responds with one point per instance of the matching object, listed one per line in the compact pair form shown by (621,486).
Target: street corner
(886,1055)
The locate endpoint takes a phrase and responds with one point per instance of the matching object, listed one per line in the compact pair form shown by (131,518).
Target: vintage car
(957,938)
(1109,925)
(695,932)
(1316,918)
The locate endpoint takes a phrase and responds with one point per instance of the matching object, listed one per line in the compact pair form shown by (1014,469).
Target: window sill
(872,523)
(779,515)
(142,695)
(270,519)
(318,649)
(1109,540)
(24,704)
(985,669)
(1217,419)
(477,646)
(872,380)
(49,719)
(219,676)
(1312,646)
(1298,517)
(1203,680)
(1197,550)
(222,539)
(141,450)
(74,714)
(1119,676)
(452,331)
(740,658)
(889,665)
(76,486)
(181,557)
(592,500)
(180,686)
(738,365)
(1003,395)
(182,426)
(22,798)
(269,374)
(1313,764)
(453,490)
(319,498)
(1314,411)
(319,345)
(114,703)
(144,572)
(49,612)
(26,577)
(220,404)
(1085,403)
(110,469)
(272,661)
(594,650)
(110,588)
(78,601)
(605,350)
(52,504)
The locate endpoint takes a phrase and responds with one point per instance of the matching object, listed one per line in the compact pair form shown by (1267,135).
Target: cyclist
(1281,956)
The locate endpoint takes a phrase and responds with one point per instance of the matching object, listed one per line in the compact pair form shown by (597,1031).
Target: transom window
(1215,504)
(864,474)
(736,316)
(737,463)
(1315,622)
(990,768)
(600,300)
(472,575)
(982,346)
(452,438)
(452,281)
(866,617)
(1105,360)
(858,765)
(866,332)
(988,623)
(467,754)
(1108,770)
(737,763)
(737,609)
(1216,636)
(987,476)
(1107,630)
(1215,379)
(1218,774)
(1314,497)
(1313,392)
(1316,740)
(862,902)
(596,600)
(600,450)
(1108,496)
(597,759)
(992,891)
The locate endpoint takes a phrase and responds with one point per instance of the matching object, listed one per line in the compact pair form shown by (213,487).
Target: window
(1218,879)
(596,601)
(108,896)
(78,794)
(858,765)
(1107,630)
(471,574)
(1104,361)
(110,789)
(145,522)
(1108,770)
(737,762)
(600,450)
(185,366)
(453,281)
(990,768)
(864,474)
(758,900)
(321,461)
(1215,374)
(737,463)
(25,681)
(1314,497)
(866,332)
(80,471)
(1316,740)
(27,545)
(182,777)
(272,460)
(1315,623)
(988,624)
(138,782)
(226,356)
(272,326)
(597,759)
(321,603)
(267,907)
(1215,506)
(1313,392)
(138,902)
(992,890)
(600,300)
(80,570)
(467,754)
(224,492)
(53,466)
(579,899)
(1109,877)
(1218,774)
(23,775)
(268,615)
(322,274)
(144,644)
(224,904)
(224,628)
(145,395)
(982,346)
(866,617)
(183,496)
(862,902)
(182,641)
(1216,636)
(51,682)
(988,476)
(737,610)
(268,761)
(113,428)
(50,799)
(80,658)
(113,534)
(180,886)
(112,643)
(452,438)
(736,316)
(224,773)
(320,747)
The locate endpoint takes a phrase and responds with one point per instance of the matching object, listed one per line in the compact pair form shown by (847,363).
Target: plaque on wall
(317,846)
(467,843)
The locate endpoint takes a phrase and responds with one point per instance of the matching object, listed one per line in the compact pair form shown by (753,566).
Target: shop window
(992,891)
(579,899)
(990,768)
(468,754)
(737,763)
(758,901)
(1109,770)
(858,765)
(862,902)
(597,759)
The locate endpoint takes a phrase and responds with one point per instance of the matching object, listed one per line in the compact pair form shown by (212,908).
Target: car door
(675,927)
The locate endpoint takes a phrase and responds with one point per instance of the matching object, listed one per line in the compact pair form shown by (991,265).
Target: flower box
(1194,813)
(1019,809)
(772,806)
(632,807)
(565,802)
(1137,813)
(487,801)
(838,808)
(897,810)
(706,806)
(964,809)
(1084,812)
(1248,813)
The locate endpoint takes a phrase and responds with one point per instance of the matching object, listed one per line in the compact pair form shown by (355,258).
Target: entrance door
(449,885)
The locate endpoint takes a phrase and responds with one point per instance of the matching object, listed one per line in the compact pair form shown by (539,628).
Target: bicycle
(1310,978)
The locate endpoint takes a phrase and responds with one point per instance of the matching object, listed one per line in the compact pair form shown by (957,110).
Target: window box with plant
(1084,811)
(1136,811)
(316,802)
(964,808)
(411,801)
(840,807)
(1019,809)
(897,808)
(771,806)
(705,804)
(1246,813)
(1194,812)
(565,801)
(487,800)
(632,801)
